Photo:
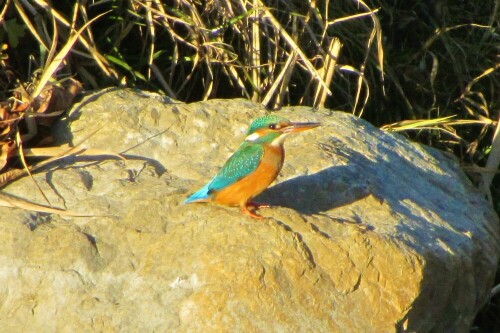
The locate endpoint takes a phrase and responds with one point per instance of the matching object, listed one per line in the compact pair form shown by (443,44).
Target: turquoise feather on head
(265,121)
(267,129)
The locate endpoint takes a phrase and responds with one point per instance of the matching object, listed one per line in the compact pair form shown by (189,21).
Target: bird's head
(272,129)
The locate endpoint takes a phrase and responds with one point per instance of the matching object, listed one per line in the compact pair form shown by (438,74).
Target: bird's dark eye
(272,126)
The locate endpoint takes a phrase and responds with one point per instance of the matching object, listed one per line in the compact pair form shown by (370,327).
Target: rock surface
(370,233)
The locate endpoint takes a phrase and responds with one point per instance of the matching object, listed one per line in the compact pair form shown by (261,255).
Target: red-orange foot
(246,211)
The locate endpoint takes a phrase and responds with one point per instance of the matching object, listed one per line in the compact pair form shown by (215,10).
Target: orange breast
(239,193)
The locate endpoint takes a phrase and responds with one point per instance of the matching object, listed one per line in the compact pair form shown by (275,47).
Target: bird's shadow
(316,193)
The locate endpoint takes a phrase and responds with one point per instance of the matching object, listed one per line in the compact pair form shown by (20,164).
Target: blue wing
(242,163)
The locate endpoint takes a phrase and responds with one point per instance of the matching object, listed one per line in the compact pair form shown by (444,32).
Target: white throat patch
(252,137)
(279,140)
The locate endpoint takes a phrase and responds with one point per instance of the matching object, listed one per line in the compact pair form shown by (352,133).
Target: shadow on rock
(316,193)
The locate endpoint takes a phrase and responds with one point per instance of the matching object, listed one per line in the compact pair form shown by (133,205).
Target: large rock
(370,233)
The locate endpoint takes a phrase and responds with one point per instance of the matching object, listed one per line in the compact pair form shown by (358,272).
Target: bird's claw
(253,205)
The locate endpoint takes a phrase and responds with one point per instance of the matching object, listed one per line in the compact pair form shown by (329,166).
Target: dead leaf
(10,175)
(7,150)
(4,112)
(55,99)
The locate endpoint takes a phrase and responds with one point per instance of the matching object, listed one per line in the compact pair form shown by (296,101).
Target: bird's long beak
(298,127)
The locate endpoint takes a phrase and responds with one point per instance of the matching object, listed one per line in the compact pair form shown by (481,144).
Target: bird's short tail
(201,195)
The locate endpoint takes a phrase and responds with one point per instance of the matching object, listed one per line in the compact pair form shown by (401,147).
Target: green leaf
(119,62)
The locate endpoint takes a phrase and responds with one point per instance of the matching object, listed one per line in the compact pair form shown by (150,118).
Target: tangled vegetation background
(427,69)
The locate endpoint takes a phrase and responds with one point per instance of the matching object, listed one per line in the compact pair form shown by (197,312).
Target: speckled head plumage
(272,129)
(265,121)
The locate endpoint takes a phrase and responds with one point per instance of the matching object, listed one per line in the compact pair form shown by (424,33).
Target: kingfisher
(253,167)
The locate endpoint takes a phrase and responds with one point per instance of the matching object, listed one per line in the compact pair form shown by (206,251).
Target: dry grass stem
(7,200)
(163,82)
(30,26)
(291,43)
(255,53)
(53,65)
(352,17)
(330,63)
(4,11)
(26,168)
(285,72)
